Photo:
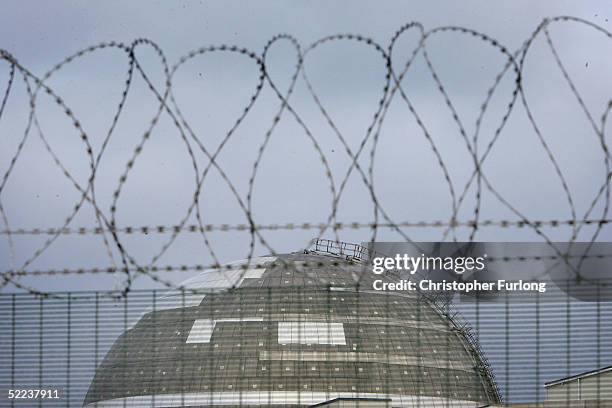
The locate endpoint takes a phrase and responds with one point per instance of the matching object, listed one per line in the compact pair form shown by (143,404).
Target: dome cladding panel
(295,326)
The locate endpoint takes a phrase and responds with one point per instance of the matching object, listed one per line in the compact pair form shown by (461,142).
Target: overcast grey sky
(291,185)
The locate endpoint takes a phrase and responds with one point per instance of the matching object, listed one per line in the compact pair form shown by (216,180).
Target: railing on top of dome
(353,252)
(347,250)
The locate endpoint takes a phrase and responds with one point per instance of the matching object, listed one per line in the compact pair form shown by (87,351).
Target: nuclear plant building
(294,330)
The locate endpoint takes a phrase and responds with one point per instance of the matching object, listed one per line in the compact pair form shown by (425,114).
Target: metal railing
(342,249)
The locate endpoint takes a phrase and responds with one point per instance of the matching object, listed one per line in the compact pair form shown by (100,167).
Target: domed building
(294,330)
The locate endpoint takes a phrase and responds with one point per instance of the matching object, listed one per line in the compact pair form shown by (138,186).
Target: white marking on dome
(186,299)
(222,278)
(255,273)
(311,333)
(258,260)
(202,329)
(171,300)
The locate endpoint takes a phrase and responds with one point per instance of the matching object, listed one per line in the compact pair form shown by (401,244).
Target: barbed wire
(166,229)
(245,266)
(392,90)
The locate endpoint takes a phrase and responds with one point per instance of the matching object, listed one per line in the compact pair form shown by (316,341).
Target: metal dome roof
(291,330)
